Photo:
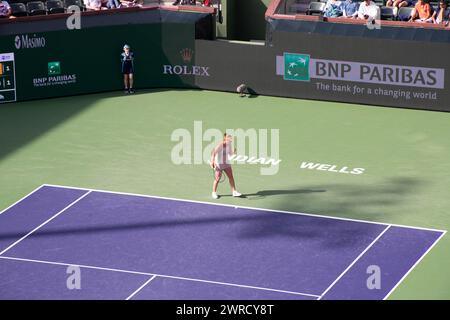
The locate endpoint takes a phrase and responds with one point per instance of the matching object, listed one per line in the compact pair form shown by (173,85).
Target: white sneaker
(236,194)
(215,195)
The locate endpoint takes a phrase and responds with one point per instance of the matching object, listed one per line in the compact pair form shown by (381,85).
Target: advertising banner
(69,62)
(392,73)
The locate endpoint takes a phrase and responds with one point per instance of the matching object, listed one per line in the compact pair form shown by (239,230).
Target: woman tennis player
(219,162)
(127,58)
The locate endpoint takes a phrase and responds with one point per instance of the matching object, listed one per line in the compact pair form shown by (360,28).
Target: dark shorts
(127,69)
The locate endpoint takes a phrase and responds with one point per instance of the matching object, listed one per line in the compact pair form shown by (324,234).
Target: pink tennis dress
(222,155)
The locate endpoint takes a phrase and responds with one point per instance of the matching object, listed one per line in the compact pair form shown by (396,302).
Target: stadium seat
(297,8)
(36,8)
(434,4)
(379,3)
(404,13)
(315,8)
(78,3)
(387,13)
(55,6)
(18,10)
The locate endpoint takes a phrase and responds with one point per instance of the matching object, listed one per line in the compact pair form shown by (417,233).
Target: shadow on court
(355,201)
(267,193)
(374,202)
(23,122)
(244,224)
(367,203)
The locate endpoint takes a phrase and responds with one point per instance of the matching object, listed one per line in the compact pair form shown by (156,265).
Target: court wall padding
(337,67)
(313,60)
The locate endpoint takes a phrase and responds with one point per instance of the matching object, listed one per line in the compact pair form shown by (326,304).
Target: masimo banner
(301,67)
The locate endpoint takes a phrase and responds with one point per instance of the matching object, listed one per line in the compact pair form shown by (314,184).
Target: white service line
(45,222)
(354,261)
(413,266)
(140,288)
(74,264)
(159,275)
(21,199)
(239,285)
(245,207)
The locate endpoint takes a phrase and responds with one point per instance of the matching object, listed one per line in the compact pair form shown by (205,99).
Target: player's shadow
(267,193)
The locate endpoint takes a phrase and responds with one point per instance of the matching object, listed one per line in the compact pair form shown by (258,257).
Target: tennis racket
(222,176)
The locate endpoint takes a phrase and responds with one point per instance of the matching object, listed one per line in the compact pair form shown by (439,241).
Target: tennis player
(127,58)
(219,162)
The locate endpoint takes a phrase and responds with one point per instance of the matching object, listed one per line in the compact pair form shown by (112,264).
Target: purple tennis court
(142,247)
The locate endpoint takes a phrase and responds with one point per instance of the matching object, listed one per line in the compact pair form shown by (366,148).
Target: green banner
(68,62)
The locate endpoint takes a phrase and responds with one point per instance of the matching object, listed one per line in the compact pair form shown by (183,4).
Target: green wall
(87,65)
(243,19)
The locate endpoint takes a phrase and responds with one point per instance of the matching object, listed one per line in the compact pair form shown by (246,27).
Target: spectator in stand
(184,2)
(422,12)
(442,14)
(93,5)
(369,10)
(397,4)
(332,9)
(350,9)
(131,3)
(113,4)
(207,3)
(5,10)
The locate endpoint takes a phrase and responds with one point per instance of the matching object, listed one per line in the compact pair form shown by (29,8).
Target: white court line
(45,222)
(245,207)
(72,264)
(240,285)
(140,288)
(414,265)
(21,199)
(354,261)
(160,276)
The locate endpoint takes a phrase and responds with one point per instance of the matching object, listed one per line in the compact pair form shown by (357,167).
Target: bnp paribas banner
(395,81)
(382,72)
(68,62)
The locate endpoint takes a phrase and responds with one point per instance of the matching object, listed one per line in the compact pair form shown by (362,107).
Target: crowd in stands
(5,9)
(111,4)
(421,10)
(18,8)
(206,3)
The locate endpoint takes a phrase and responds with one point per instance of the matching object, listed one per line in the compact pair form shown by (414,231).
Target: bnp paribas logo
(54,68)
(296,67)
